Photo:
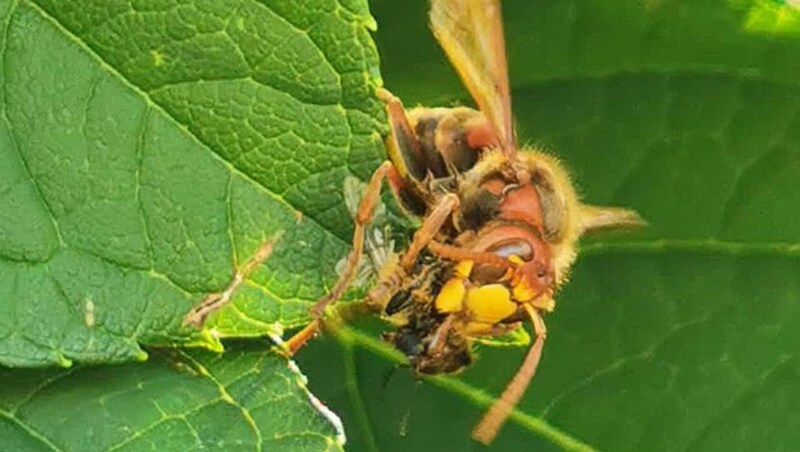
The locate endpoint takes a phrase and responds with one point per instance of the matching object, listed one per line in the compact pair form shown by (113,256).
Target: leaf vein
(138,193)
(708,245)
(731,404)
(185,127)
(228,398)
(42,386)
(30,430)
(648,353)
(322,53)
(14,142)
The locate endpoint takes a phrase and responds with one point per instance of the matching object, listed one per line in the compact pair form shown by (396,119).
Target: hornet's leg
(440,336)
(345,314)
(490,424)
(404,140)
(457,254)
(405,152)
(403,143)
(366,210)
(431,225)
(299,339)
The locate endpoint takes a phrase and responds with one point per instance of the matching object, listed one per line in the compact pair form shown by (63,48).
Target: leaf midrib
(677,70)
(33,433)
(709,245)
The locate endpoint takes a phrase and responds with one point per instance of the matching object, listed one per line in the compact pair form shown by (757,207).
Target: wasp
(499,223)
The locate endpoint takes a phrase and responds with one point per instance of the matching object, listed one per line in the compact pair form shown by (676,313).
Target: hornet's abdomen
(440,143)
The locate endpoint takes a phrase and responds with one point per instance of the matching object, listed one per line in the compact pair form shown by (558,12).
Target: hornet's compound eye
(487,273)
(519,248)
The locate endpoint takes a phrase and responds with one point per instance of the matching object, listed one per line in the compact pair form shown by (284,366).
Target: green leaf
(515,338)
(148,149)
(176,401)
(679,337)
